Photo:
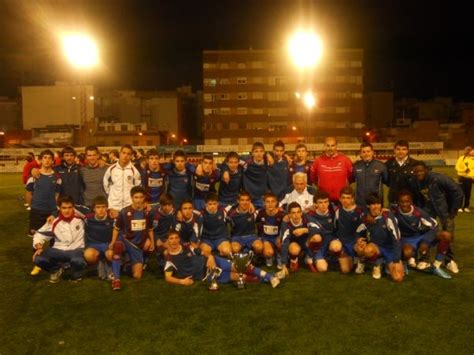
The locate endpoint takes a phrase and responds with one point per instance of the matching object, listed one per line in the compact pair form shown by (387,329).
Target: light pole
(82,53)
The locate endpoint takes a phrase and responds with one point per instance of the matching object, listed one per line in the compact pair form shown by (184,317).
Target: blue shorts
(416,240)
(302,242)
(226,266)
(199,204)
(387,254)
(100,247)
(349,248)
(134,252)
(323,252)
(271,240)
(245,241)
(214,243)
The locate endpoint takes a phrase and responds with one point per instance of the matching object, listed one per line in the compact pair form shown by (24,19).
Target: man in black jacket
(400,168)
(441,197)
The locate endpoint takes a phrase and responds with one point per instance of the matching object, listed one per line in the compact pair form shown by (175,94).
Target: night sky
(415,48)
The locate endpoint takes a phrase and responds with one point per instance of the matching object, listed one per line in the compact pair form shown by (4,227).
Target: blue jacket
(446,196)
(369,178)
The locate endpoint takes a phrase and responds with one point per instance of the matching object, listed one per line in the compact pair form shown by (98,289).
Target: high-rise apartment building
(257,95)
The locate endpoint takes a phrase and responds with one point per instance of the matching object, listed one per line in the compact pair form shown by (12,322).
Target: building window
(124,128)
(278,111)
(340,79)
(356,64)
(224,81)
(356,95)
(342,109)
(101,128)
(257,95)
(210,111)
(209,65)
(241,96)
(241,65)
(257,111)
(241,80)
(234,125)
(256,65)
(277,96)
(242,125)
(224,65)
(224,110)
(242,110)
(225,125)
(224,97)
(272,81)
(210,82)
(138,127)
(256,80)
(209,97)
(111,129)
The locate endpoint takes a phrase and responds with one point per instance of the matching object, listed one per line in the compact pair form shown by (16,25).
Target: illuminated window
(257,111)
(224,96)
(242,96)
(224,110)
(256,80)
(257,95)
(224,65)
(242,110)
(210,82)
(241,66)
(209,65)
(224,81)
(241,80)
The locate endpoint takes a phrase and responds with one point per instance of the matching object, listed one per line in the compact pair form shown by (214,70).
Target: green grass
(308,313)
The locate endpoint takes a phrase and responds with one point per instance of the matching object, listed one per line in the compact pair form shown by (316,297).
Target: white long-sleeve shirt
(304,199)
(67,235)
(118,182)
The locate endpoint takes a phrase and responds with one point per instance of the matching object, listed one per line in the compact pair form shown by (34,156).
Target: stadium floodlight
(309,99)
(305,49)
(80,50)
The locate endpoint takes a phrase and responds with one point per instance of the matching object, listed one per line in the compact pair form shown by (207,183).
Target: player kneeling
(418,233)
(184,264)
(382,239)
(298,236)
(243,226)
(98,233)
(132,235)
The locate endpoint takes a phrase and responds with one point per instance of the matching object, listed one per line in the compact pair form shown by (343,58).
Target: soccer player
(30,164)
(189,224)
(243,226)
(255,174)
(347,218)
(67,231)
(215,234)
(185,264)
(400,168)
(301,163)
(70,177)
(153,178)
(42,192)
(205,178)
(269,222)
(301,192)
(298,235)
(382,239)
(325,240)
(132,234)
(418,233)
(92,175)
(277,174)
(441,197)
(369,175)
(98,235)
(332,170)
(164,218)
(119,179)
(231,180)
(179,175)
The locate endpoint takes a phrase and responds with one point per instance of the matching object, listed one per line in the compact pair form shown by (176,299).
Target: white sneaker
(274,281)
(280,274)
(423,265)
(377,272)
(412,263)
(360,268)
(453,267)
(467,210)
(460,210)
(56,276)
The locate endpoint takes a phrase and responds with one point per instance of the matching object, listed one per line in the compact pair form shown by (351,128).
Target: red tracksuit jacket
(331,174)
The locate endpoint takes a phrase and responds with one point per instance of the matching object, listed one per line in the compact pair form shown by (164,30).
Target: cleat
(36,270)
(467,210)
(423,265)
(28,208)
(274,281)
(441,273)
(453,267)
(55,277)
(377,272)
(116,284)
(281,274)
(312,267)
(412,263)
(360,268)
(269,261)
(460,210)
(294,265)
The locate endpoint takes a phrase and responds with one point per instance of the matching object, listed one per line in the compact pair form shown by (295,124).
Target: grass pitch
(307,313)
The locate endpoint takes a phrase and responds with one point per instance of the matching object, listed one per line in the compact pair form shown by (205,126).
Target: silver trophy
(241,262)
(211,276)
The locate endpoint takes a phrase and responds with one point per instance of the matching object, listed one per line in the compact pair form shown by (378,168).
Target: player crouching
(132,234)
(382,239)
(184,264)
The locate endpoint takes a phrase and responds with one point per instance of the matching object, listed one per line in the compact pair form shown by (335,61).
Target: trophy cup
(241,261)
(211,276)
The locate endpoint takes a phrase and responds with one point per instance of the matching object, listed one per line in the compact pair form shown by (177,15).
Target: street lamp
(305,49)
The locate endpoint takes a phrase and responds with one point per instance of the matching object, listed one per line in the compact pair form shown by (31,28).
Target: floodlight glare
(309,100)
(305,49)
(81,51)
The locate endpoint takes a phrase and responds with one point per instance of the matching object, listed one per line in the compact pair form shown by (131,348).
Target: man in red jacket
(30,163)
(332,170)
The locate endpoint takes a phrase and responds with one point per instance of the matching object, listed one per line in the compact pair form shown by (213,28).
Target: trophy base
(213,287)
(240,285)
